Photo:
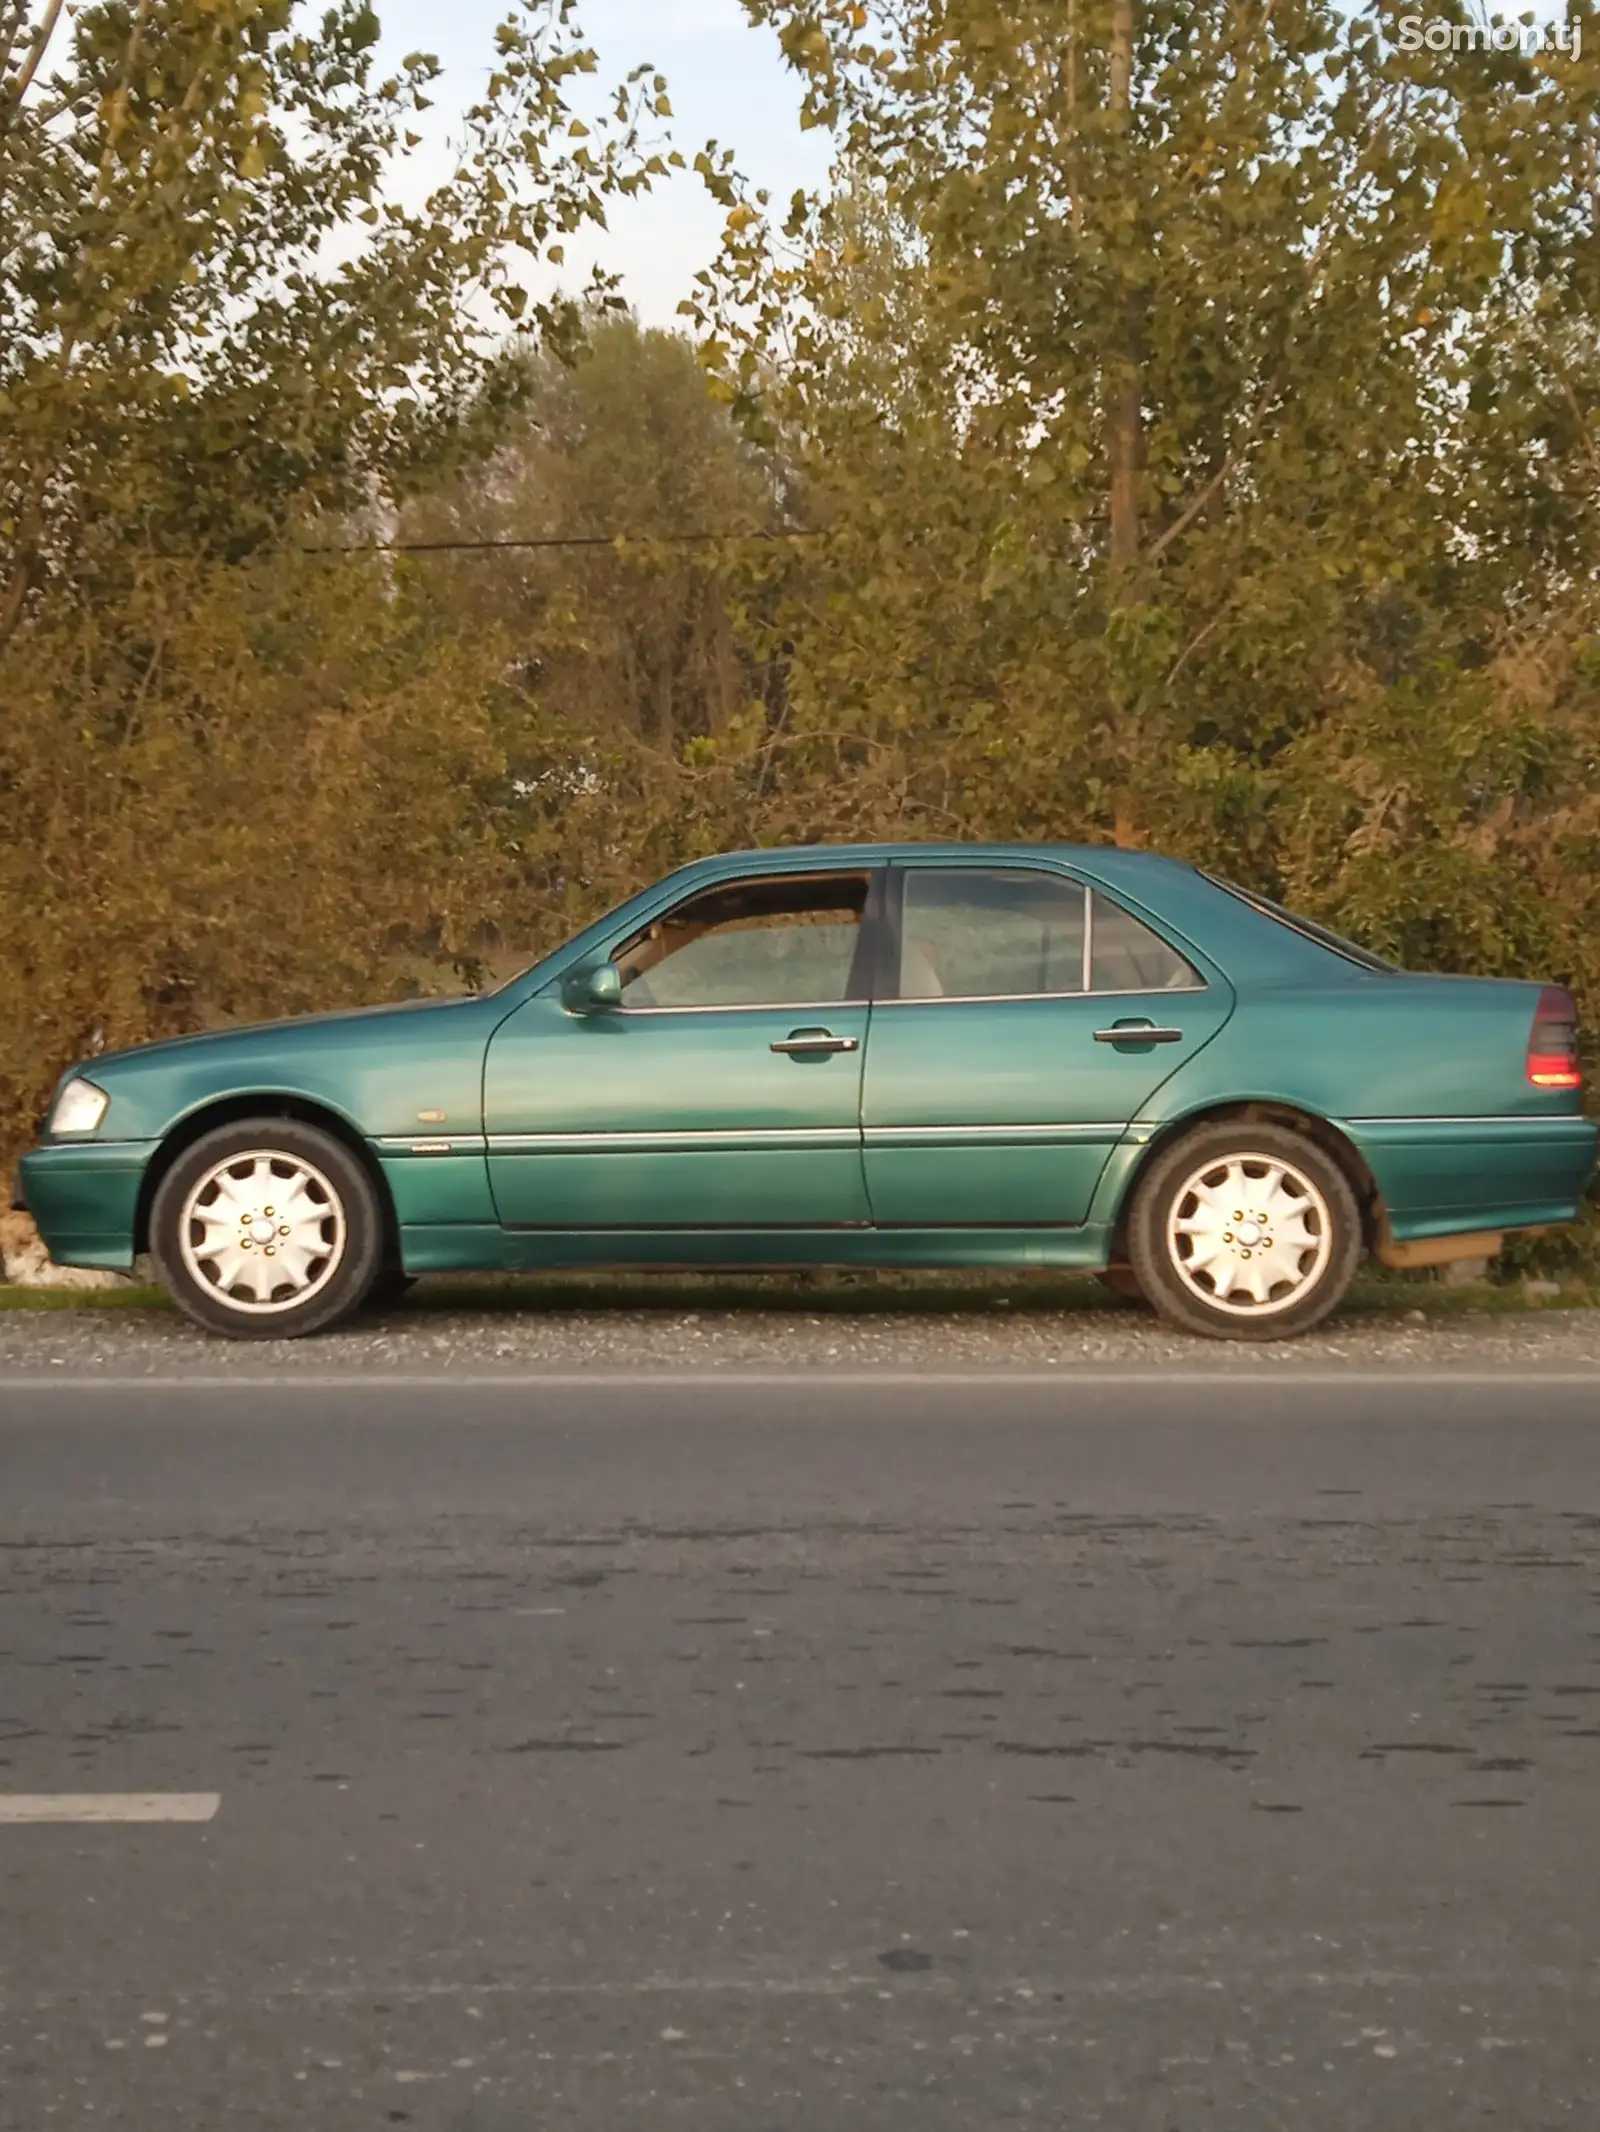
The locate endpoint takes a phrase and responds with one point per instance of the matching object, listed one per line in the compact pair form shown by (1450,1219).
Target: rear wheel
(267,1229)
(1123,1283)
(1245,1232)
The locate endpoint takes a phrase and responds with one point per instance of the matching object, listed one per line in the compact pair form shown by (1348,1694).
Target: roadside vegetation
(1175,425)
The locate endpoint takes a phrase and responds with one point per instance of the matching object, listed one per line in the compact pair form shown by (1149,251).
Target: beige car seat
(919,973)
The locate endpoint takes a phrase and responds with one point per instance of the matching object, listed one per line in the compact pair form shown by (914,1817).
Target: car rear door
(1026,1020)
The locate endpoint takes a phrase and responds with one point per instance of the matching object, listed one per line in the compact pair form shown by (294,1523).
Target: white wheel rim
(262,1232)
(1249,1235)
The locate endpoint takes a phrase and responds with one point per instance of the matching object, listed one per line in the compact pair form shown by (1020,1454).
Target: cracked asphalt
(1130,1744)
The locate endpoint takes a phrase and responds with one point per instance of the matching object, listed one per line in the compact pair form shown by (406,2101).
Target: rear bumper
(1440,1176)
(84,1196)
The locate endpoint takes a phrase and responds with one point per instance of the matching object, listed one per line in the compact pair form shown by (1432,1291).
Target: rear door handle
(816,1043)
(1138,1033)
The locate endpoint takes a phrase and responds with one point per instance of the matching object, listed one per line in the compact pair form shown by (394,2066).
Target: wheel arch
(1263,1110)
(264,1103)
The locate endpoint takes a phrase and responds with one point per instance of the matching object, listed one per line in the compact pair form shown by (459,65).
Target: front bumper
(84,1196)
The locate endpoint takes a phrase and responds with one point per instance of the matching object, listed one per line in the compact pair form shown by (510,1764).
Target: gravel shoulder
(518,1328)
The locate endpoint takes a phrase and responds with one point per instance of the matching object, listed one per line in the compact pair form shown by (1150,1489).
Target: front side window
(978,932)
(772,942)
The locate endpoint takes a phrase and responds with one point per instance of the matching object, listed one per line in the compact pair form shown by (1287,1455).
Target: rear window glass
(1127,957)
(986,932)
(1308,928)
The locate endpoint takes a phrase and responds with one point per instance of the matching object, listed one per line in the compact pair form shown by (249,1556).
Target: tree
(640,522)
(199,353)
(240,790)
(1184,390)
(624,454)
(233,778)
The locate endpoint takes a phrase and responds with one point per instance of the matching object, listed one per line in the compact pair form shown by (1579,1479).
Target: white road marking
(1068,1377)
(102,1806)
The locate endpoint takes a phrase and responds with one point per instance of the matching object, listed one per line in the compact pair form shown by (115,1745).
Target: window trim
(889,966)
(1011,999)
(864,961)
(755,1006)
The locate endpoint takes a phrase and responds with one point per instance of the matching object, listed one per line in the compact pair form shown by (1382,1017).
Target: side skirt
(474,1247)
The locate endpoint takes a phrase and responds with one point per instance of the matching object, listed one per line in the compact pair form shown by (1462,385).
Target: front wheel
(266,1229)
(389,1290)
(1245,1232)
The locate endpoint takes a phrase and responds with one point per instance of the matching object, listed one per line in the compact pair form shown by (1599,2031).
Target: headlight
(79,1108)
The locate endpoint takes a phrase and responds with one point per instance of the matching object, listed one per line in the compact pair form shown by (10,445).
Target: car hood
(371,1021)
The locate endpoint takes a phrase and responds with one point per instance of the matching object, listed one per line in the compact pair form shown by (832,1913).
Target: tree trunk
(1123,394)
(1123,438)
(1074,159)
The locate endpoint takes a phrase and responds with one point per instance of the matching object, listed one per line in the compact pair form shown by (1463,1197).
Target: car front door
(722,1092)
(1026,1021)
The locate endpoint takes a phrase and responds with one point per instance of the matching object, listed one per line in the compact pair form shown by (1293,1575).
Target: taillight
(1553,1042)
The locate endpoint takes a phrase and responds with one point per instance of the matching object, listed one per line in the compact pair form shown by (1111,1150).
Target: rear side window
(1127,957)
(1307,928)
(980,932)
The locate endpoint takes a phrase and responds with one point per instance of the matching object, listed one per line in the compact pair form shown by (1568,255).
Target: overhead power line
(564,540)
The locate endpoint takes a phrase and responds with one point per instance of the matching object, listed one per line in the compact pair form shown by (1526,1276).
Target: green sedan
(917,1055)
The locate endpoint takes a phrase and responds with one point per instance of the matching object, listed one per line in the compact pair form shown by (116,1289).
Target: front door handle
(816,1043)
(1137,1033)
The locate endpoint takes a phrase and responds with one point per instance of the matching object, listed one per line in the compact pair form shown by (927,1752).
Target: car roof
(922,847)
(1138,872)
(1100,858)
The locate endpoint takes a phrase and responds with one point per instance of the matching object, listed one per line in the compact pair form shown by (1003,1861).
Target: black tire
(335,1283)
(1324,1268)
(389,1290)
(1122,1283)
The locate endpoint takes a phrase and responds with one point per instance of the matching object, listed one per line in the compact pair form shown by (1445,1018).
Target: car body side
(1416,1082)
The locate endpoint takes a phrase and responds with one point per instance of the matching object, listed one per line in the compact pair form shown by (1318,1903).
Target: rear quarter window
(1128,957)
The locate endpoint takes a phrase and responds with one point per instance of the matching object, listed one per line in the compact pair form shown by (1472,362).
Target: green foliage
(245,791)
(634,636)
(639,665)
(219,318)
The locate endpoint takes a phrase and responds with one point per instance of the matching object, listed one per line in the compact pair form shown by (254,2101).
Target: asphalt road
(1167,1750)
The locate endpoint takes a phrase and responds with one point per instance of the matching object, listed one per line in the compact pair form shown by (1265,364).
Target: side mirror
(593,989)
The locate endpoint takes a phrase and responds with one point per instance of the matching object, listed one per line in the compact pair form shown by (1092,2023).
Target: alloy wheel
(1249,1234)
(262,1231)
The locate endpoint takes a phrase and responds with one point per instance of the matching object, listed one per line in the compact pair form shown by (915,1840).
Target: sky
(724,79)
